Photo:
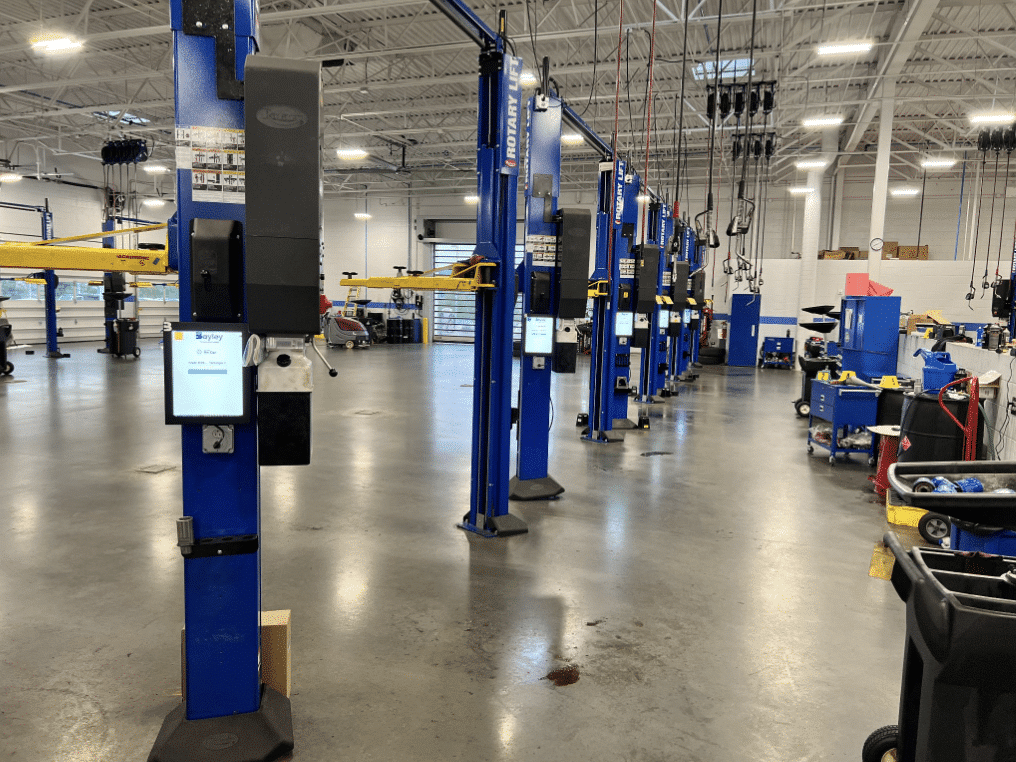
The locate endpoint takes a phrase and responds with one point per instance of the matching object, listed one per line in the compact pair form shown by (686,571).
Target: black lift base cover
(260,736)
(506,525)
(533,489)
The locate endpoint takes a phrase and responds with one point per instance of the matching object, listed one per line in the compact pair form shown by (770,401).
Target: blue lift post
(609,371)
(553,281)
(501,111)
(687,274)
(226,267)
(537,284)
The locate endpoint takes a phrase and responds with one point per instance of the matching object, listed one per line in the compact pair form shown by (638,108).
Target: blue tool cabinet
(848,409)
(777,352)
(870,335)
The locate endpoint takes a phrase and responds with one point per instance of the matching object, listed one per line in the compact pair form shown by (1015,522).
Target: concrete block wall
(977,362)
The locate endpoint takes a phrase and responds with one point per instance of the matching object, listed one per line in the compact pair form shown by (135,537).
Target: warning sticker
(666,278)
(543,248)
(627,267)
(217,162)
(905,443)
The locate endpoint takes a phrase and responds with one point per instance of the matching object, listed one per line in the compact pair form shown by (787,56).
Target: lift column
(553,285)
(651,280)
(613,311)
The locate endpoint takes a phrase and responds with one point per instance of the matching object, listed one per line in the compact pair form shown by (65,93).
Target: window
(16,289)
(86,293)
(729,69)
(172,291)
(150,293)
(455,311)
(65,291)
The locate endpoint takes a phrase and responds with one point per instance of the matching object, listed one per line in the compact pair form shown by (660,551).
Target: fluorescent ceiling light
(154,202)
(471,199)
(811,164)
(55,44)
(798,190)
(841,48)
(362,215)
(830,120)
(938,163)
(156,169)
(642,198)
(10,177)
(351,154)
(528,79)
(904,192)
(995,118)
(572,139)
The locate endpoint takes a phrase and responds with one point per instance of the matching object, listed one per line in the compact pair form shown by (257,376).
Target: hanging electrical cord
(706,231)
(1009,143)
(740,223)
(613,146)
(770,150)
(680,118)
(649,121)
(920,214)
(596,47)
(983,143)
(996,143)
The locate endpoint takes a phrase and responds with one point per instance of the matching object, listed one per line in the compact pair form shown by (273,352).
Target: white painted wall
(75,211)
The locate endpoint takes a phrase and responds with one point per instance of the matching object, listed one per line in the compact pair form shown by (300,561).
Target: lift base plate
(262,736)
(533,489)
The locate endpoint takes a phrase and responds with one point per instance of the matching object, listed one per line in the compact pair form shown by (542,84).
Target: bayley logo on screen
(208,338)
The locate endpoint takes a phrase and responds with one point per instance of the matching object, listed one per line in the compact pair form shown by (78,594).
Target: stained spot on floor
(651,453)
(562,676)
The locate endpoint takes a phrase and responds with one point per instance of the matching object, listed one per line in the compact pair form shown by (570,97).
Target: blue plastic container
(939,369)
(1001,543)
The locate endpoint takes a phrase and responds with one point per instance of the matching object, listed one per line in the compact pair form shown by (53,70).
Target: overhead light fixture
(154,202)
(642,198)
(904,192)
(471,199)
(351,154)
(992,118)
(528,79)
(572,139)
(811,164)
(362,215)
(10,177)
(364,90)
(55,44)
(830,120)
(842,48)
(938,163)
(156,169)
(799,190)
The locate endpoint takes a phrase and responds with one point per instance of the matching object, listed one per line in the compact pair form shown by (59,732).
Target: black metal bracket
(215,18)
(237,545)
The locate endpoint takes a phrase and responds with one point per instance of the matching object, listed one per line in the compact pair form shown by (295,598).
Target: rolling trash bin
(958,697)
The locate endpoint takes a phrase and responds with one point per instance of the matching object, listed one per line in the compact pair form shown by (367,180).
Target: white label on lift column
(217,162)
(543,248)
(627,267)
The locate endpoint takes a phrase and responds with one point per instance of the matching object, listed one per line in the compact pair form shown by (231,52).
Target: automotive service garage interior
(442,379)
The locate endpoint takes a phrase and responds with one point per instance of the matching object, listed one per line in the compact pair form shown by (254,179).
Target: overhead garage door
(455,311)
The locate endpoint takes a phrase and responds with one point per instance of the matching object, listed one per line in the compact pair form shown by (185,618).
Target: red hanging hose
(649,122)
(970,428)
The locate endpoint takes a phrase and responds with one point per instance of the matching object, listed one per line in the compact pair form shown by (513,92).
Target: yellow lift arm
(44,255)
(470,278)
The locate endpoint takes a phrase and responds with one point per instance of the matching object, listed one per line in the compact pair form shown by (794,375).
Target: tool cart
(847,409)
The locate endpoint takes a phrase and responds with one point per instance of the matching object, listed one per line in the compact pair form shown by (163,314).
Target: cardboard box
(922,252)
(908,252)
(837,254)
(932,316)
(890,250)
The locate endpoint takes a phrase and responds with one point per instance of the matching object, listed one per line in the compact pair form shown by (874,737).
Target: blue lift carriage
(553,282)
(238,278)
(688,295)
(653,368)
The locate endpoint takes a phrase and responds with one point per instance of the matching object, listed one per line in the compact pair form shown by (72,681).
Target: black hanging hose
(991,224)
(680,118)
(711,236)
(983,145)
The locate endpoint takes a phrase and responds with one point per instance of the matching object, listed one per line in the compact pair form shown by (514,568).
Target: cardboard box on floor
(276,661)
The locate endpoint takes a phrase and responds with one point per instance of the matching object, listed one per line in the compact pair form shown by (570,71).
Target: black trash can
(125,338)
(395,330)
(928,434)
(6,366)
(958,697)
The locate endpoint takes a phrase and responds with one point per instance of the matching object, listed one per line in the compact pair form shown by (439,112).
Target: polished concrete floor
(707,578)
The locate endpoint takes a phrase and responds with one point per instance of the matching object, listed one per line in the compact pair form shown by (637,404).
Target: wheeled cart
(777,352)
(6,366)
(811,367)
(958,695)
(846,409)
